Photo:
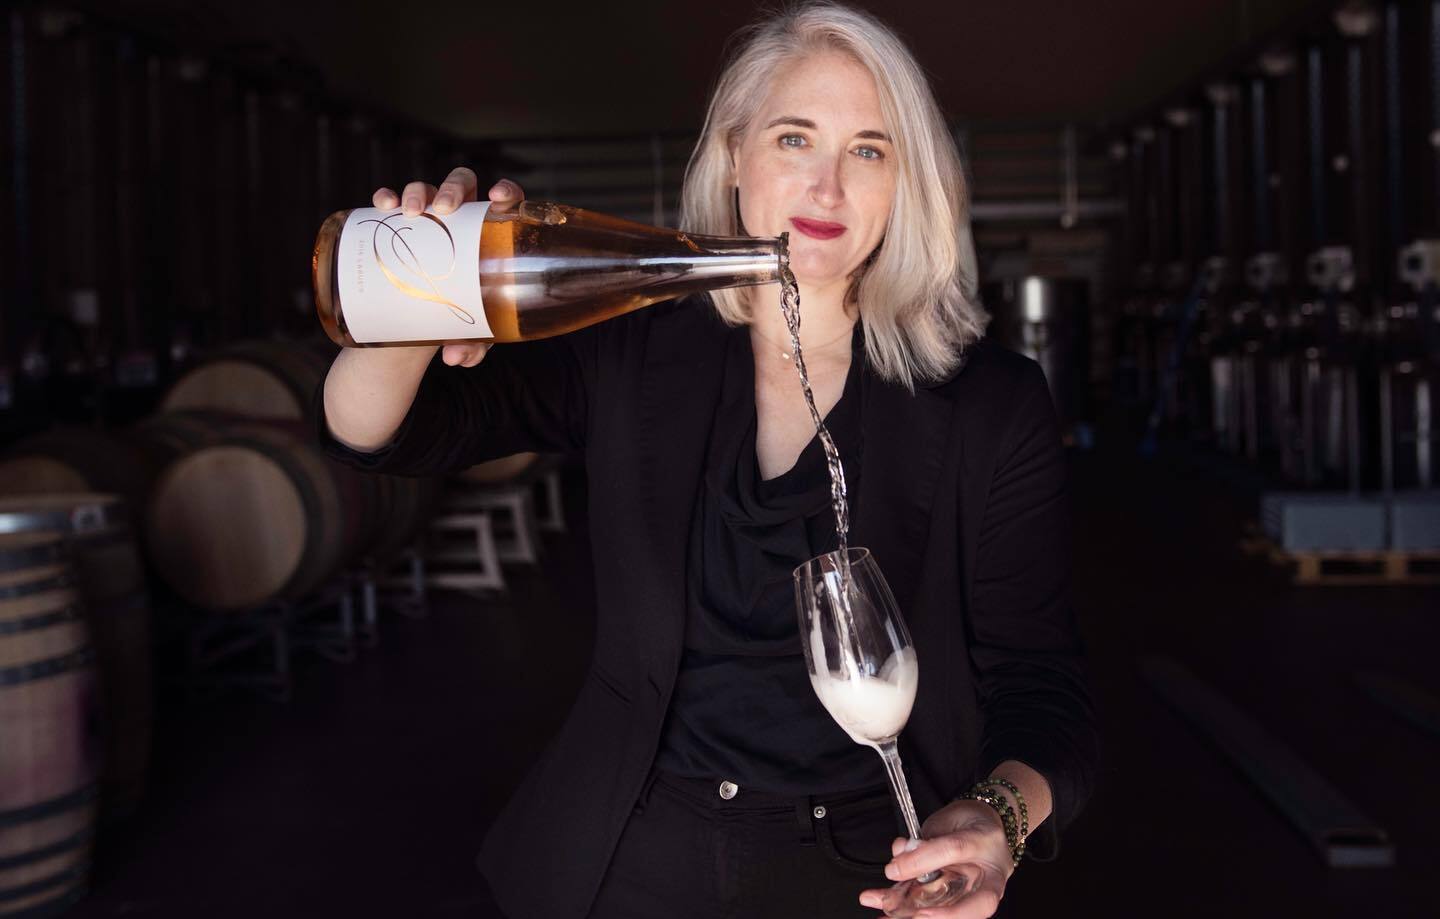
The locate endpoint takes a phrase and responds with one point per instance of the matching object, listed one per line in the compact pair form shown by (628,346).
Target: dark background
(575,69)
(166,166)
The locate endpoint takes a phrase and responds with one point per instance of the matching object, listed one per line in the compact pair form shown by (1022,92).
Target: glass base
(909,897)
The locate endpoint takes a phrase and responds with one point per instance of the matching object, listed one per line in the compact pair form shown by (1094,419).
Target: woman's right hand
(459,187)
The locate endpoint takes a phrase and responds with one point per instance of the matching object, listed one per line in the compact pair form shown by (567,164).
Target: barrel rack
(334,621)
(476,530)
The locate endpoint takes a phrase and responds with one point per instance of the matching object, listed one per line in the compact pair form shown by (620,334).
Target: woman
(697,774)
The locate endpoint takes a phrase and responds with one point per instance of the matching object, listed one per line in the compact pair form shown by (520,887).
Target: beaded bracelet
(1013,837)
(1019,798)
(1007,819)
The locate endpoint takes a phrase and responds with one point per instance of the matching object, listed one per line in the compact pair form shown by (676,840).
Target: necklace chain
(789,355)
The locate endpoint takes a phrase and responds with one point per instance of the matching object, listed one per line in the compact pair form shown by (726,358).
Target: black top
(963,504)
(743,708)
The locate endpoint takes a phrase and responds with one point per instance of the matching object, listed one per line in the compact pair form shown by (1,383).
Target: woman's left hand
(965,839)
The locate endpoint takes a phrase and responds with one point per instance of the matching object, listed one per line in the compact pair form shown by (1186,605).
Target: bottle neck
(745,259)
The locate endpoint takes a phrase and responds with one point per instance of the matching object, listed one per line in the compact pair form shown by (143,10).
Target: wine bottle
(534,271)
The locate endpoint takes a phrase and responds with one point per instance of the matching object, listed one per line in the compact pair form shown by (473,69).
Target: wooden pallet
(1390,567)
(1341,566)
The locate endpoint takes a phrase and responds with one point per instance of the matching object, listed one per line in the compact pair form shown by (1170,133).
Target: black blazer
(962,503)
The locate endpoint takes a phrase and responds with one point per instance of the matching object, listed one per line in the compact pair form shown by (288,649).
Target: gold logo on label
(403,258)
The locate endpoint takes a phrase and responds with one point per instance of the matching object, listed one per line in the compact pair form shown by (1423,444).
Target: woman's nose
(827,187)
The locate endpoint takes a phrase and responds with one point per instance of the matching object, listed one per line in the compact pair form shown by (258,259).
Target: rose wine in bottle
(534,271)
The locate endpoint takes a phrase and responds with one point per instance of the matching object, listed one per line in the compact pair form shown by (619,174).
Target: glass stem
(890,753)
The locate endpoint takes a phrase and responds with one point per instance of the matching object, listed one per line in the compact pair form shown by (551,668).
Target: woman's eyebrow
(807,123)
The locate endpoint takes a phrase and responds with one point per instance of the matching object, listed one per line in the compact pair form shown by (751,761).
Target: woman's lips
(818,229)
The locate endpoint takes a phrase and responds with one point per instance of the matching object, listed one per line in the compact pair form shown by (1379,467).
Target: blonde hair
(917,292)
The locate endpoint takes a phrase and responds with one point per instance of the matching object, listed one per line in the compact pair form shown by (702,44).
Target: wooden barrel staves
(276,383)
(247,511)
(254,517)
(365,500)
(162,439)
(117,606)
(75,459)
(254,379)
(50,754)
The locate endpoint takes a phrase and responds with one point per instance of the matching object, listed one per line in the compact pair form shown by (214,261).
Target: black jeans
(688,852)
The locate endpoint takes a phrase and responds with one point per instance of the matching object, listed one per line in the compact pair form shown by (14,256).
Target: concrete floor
(369,793)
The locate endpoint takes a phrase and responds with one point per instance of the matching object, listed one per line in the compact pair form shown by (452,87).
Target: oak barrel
(256,516)
(162,439)
(250,510)
(254,379)
(49,760)
(75,459)
(117,607)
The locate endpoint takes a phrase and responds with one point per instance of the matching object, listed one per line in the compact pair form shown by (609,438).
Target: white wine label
(412,278)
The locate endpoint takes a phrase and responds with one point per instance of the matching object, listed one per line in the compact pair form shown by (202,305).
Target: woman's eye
(786,138)
(870,153)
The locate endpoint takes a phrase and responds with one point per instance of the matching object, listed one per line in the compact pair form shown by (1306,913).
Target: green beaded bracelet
(1013,837)
(1024,811)
(1007,819)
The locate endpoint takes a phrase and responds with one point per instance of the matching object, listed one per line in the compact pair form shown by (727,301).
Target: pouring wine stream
(790,309)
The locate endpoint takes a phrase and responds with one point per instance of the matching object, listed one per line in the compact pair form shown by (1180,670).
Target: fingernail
(892,871)
(870,900)
(500,189)
(442,200)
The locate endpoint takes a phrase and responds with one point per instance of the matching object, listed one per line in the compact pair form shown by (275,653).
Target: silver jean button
(728,790)
(820,812)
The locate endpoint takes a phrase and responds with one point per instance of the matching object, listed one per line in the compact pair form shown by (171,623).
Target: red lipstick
(817,229)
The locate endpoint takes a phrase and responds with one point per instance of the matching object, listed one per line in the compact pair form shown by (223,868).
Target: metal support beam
(1344,836)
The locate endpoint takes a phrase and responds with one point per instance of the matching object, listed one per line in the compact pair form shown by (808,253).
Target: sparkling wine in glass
(863,667)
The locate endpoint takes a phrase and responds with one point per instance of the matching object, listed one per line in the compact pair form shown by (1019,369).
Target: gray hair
(917,292)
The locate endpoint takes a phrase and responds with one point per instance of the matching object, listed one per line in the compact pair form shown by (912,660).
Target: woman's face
(817,163)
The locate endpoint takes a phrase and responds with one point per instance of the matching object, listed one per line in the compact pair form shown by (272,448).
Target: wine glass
(863,667)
